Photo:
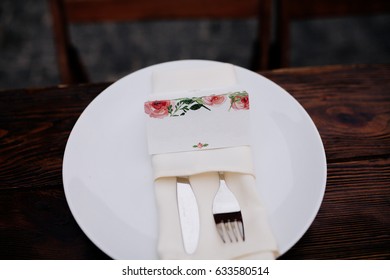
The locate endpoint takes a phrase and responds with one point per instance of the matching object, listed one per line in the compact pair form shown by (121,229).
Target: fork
(227,214)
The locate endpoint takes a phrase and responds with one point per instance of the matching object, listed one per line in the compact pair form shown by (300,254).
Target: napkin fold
(202,167)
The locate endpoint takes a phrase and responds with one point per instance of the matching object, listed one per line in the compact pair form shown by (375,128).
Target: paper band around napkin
(198,120)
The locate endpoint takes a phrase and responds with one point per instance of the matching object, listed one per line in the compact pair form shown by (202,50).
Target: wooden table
(350,105)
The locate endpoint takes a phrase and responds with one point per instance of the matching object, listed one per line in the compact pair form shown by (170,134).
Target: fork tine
(238,230)
(225,231)
(230,226)
(229,230)
(234,229)
(241,230)
(220,229)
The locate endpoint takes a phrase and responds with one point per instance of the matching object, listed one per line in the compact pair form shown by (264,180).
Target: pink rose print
(200,145)
(240,102)
(160,109)
(157,109)
(214,99)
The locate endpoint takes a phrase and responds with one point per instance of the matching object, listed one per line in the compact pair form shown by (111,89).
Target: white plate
(108,177)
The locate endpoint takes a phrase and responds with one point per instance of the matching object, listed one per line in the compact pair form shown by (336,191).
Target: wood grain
(350,106)
(34,128)
(352,222)
(81,10)
(37,224)
(35,221)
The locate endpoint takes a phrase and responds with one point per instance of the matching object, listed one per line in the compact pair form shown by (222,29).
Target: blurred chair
(65,12)
(288,11)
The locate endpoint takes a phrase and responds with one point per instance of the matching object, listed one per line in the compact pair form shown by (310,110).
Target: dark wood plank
(37,224)
(350,106)
(35,221)
(98,10)
(353,221)
(292,9)
(34,128)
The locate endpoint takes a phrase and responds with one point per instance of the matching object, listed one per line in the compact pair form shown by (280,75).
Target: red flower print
(240,102)
(214,99)
(157,109)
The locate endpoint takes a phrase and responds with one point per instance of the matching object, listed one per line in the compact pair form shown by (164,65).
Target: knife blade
(189,215)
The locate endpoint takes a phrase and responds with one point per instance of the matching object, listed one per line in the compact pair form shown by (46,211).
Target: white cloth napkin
(202,167)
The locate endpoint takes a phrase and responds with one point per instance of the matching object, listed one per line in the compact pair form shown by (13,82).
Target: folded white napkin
(202,167)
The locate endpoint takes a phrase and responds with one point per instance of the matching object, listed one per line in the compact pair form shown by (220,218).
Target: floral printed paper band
(180,106)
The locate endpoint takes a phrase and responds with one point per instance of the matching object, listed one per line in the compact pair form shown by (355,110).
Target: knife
(189,215)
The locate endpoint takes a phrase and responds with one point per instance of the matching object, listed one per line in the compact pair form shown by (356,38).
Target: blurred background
(28,56)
